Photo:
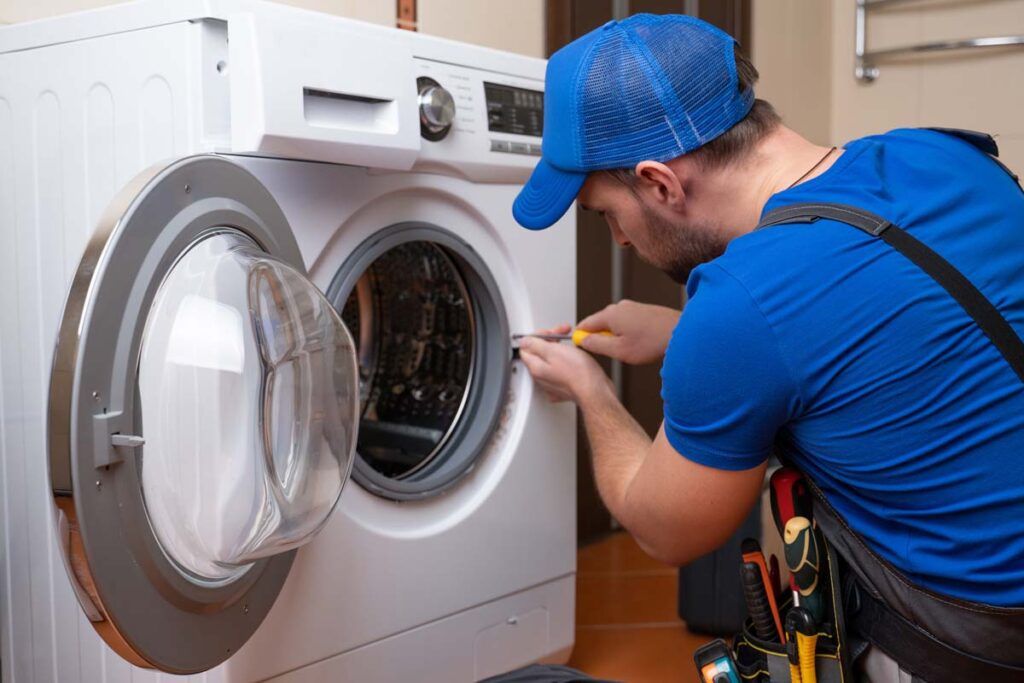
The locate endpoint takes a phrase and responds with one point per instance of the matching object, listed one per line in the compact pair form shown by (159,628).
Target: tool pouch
(761,661)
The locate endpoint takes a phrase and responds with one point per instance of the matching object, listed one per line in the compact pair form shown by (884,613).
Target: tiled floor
(627,628)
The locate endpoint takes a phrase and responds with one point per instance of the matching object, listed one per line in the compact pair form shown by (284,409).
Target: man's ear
(660,184)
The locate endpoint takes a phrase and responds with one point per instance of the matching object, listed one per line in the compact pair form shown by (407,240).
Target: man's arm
(677,509)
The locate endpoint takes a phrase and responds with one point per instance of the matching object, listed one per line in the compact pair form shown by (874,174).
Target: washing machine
(261,419)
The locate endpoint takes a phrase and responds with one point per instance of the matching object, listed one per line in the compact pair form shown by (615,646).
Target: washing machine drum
(434,357)
(413,317)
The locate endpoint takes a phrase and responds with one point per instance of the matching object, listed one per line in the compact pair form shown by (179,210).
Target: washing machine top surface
(278,81)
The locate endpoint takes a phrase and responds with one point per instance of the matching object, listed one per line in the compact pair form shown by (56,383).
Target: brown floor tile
(618,599)
(637,655)
(627,628)
(616,553)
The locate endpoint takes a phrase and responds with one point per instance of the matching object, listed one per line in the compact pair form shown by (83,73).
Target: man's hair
(735,143)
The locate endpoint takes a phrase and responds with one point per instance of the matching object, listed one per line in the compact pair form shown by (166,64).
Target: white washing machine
(193,197)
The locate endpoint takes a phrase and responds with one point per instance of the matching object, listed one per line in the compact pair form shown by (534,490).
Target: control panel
(514,110)
(486,124)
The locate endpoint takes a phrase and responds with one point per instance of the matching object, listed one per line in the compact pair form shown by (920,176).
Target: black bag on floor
(710,593)
(544,673)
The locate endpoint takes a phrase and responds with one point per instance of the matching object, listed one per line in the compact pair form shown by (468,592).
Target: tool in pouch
(715,663)
(801,645)
(759,591)
(807,648)
(803,558)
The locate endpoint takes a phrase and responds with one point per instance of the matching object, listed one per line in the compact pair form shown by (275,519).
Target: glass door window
(243,379)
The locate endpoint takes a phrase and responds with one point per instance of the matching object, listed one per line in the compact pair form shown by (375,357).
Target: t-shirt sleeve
(725,384)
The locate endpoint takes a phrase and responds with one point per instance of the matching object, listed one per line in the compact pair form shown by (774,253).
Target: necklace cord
(812,168)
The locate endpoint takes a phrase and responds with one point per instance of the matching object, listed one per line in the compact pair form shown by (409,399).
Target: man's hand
(676,508)
(642,331)
(562,371)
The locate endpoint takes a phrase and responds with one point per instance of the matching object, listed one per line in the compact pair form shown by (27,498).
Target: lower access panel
(529,626)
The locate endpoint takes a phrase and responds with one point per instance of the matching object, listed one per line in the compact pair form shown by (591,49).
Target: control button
(437,109)
(535,150)
(519,148)
(499,146)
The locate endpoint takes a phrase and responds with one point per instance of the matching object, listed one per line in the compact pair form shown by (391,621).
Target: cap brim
(547,195)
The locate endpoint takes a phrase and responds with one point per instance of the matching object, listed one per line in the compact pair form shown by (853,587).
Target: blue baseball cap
(648,87)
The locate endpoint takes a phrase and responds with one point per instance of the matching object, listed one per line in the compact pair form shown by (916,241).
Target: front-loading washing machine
(260,414)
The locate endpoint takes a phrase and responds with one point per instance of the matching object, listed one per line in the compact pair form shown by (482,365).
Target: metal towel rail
(866,68)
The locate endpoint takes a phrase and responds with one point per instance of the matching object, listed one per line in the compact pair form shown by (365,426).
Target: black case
(710,593)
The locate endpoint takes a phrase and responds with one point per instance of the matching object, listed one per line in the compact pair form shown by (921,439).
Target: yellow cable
(794,673)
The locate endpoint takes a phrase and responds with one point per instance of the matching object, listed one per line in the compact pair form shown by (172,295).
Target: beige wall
(790,50)
(515,26)
(804,50)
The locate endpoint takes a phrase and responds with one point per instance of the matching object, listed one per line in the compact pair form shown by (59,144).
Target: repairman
(868,331)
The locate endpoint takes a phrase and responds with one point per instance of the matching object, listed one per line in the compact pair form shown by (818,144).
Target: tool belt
(763,661)
(934,637)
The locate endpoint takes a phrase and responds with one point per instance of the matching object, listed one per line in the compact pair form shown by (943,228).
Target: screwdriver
(804,561)
(576,337)
(789,497)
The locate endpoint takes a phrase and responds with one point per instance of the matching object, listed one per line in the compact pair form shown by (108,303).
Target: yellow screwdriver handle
(579,335)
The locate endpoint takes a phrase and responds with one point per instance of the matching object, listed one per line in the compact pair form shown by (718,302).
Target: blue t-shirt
(874,380)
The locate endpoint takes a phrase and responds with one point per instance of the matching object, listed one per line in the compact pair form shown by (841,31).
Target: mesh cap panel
(648,87)
(653,89)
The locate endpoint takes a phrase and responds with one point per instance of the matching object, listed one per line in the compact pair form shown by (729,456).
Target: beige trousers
(877,667)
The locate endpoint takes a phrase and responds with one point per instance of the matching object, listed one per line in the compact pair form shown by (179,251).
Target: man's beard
(678,249)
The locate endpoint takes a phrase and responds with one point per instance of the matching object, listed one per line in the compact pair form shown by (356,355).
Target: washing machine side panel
(77,121)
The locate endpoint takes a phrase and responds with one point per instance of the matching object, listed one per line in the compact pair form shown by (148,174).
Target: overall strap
(984,313)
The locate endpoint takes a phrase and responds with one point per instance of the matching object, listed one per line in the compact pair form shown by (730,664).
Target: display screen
(514,110)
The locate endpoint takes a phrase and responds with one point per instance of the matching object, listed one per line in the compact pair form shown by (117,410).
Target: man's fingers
(532,361)
(538,370)
(539,348)
(603,345)
(558,329)
(596,322)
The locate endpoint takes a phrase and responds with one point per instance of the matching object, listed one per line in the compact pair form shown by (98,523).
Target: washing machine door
(202,419)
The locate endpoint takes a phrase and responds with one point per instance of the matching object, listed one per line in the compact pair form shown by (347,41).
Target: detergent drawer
(310,86)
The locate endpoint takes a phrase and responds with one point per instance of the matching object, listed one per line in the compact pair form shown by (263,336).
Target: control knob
(437,109)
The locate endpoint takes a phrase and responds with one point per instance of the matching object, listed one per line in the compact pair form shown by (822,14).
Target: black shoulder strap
(984,313)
